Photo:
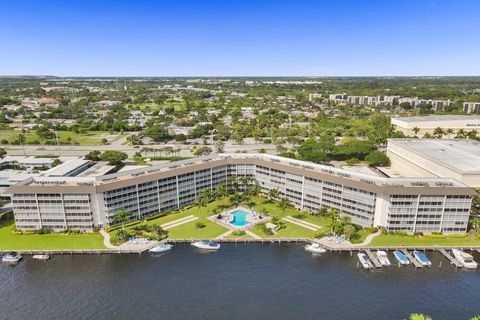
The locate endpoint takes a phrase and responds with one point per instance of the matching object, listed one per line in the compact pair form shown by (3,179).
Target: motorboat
(206,245)
(422,258)
(11,258)
(401,257)
(364,260)
(315,248)
(162,247)
(41,257)
(465,259)
(383,258)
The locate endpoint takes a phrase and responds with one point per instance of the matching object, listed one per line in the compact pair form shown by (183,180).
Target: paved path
(301,223)
(224,235)
(347,244)
(253,235)
(106,240)
(176,223)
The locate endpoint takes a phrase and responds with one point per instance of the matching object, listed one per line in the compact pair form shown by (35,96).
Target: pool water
(239,218)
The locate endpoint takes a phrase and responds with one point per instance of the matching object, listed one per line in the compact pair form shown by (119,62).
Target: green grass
(212,230)
(88,138)
(291,231)
(10,241)
(188,230)
(245,236)
(395,240)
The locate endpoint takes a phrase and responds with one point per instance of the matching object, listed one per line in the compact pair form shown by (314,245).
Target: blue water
(239,218)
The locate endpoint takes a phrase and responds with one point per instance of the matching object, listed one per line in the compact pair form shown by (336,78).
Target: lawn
(395,240)
(291,231)
(189,230)
(88,138)
(10,241)
(212,230)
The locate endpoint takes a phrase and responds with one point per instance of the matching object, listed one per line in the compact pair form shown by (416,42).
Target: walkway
(346,245)
(106,240)
(302,223)
(178,222)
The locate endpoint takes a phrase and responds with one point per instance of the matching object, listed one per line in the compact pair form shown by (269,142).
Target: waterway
(241,281)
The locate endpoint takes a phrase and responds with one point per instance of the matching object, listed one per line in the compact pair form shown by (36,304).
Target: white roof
(460,155)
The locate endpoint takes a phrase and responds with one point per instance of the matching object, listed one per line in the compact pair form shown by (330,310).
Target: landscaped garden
(14,240)
(402,239)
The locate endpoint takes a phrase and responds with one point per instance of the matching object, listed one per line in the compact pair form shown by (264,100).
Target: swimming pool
(239,218)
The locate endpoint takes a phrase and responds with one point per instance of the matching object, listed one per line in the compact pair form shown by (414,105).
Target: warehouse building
(427,124)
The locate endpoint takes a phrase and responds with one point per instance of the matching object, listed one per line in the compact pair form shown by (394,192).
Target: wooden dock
(412,259)
(373,258)
(450,258)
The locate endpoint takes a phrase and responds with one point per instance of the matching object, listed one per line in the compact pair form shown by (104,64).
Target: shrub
(238,233)
(376,158)
(200,225)
(400,233)
(457,235)
(29,232)
(322,234)
(44,231)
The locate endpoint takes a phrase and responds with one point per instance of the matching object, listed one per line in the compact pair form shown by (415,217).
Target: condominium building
(471,107)
(410,204)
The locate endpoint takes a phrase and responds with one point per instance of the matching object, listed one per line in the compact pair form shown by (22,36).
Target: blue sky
(240,38)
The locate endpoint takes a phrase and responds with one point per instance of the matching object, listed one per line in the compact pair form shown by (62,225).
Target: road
(67,150)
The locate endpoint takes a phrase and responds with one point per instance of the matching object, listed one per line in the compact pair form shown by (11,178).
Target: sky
(240,38)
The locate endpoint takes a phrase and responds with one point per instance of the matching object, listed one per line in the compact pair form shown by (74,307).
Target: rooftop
(328,170)
(460,155)
(437,118)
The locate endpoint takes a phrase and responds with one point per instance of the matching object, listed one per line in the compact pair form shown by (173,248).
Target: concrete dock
(450,258)
(412,259)
(373,258)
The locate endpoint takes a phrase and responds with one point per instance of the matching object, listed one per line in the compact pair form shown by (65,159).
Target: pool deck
(227,217)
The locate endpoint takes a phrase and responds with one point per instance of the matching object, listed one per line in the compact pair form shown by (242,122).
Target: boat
(383,258)
(11,258)
(162,247)
(465,259)
(41,257)
(206,245)
(315,248)
(364,260)
(401,257)
(422,258)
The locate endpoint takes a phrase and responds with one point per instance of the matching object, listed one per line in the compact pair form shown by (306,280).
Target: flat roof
(450,117)
(65,168)
(327,170)
(462,155)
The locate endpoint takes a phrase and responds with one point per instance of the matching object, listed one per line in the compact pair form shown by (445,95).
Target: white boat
(162,247)
(315,248)
(465,259)
(11,258)
(364,260)
(41,257)
(383,258)
(422,258)
(206,245)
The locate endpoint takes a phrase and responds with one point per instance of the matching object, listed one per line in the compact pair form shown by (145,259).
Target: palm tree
(419,316)
(199,202)
(255,190)
(348,231)
(284,203)
(232,184)
(236,199)
(206,194)
(438,132)
(273,194)
(322,212)
(416,130)
(121,216)
(449,132)
(221,191)
(461,134)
